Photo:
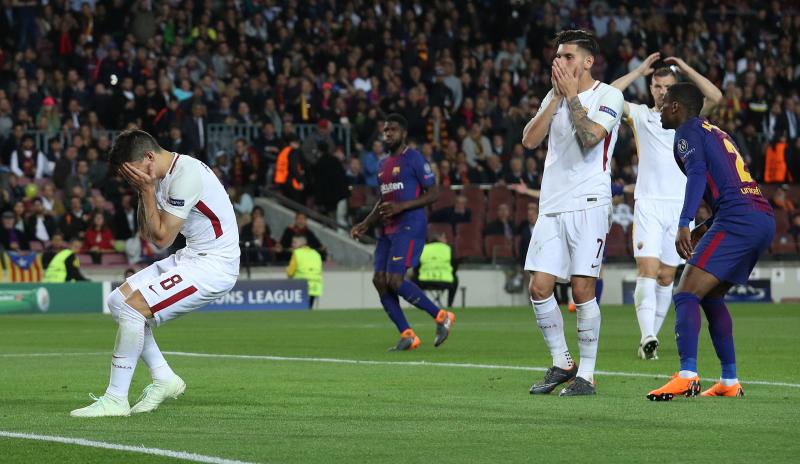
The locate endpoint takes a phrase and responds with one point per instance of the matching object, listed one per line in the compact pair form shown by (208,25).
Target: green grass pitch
(300,410)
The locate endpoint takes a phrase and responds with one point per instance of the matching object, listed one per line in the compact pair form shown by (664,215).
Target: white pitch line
(395,363)
(34,355)
(113,446)
(442,364)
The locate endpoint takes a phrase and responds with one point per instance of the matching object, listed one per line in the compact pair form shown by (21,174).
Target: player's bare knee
(583,289)
(540,290)
(137,302)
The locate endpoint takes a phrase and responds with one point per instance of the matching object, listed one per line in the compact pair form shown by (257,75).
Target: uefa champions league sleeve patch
(608,111)
(176,202)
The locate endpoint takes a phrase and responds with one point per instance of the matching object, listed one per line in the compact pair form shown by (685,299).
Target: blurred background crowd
(287,96)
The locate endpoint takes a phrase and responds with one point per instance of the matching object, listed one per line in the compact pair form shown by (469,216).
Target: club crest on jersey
(176,202)
(609,111)
(683,146)
(396,171)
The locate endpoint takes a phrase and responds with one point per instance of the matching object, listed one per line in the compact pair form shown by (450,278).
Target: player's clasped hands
(564,81)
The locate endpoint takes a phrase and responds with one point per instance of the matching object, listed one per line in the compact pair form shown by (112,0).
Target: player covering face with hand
(581,117)
(720,252)
(176,194)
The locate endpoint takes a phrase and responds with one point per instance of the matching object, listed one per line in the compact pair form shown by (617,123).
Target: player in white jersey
(660,186)
(176,194)
(582,117)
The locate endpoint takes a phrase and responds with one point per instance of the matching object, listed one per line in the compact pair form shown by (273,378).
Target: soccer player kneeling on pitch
(720,252)
(176,194)
(581,116)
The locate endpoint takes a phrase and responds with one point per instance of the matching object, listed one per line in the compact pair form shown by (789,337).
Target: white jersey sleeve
(577,178)
(658,175)
(184,191)
(609,110)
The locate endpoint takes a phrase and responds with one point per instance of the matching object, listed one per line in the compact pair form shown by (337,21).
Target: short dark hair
(583,39)
(130,145)
(665,71)
(688,95)
(398,118)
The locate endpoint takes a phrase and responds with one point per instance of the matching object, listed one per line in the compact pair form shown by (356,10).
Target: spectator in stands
(621,212)
(781,201)
(355,175)
(300,227)
(195,131)
(456,214)
(65,167)
(476,146)
(125,222)
(12,238)
(52,204)
(40,225)
(369,160)
(15,191)
(27,161)
(242,203)
(314,145)
(97,168)
(80,178)
(176,142)
(515,173)
(99,238)
(525,231)
(289,171)
(269,145)
(502,225)
(74,223)
(259,246)
(331,185)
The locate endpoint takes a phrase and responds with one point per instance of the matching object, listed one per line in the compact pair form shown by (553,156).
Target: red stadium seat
(781,222)
(358,197)
(783,245)
(500,194)
(476,200)
(521,208)
(446,199)
(616,242)
(469,243)
(114,259)
(498,246)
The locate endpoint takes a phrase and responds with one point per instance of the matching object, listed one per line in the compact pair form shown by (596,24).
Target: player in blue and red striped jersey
(407,186)
(720,252)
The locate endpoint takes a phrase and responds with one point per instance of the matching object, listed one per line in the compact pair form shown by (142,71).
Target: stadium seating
(616,242)
(498,247)
(446,199)
(437,228)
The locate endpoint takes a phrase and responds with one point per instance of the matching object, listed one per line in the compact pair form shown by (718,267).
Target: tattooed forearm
(584,127)
(141,218)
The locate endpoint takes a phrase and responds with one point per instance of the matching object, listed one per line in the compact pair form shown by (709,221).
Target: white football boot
(155,394)
(105,406)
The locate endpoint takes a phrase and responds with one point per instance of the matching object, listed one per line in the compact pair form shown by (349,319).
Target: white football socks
(551,324)
(128,348)
(663,301)
(687,374)
(151,354)
(644,296)
(728,382)
(588,336)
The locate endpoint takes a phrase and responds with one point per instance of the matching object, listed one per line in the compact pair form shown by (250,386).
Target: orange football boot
(721,390)
(676,386)
(444,322)
(408,341)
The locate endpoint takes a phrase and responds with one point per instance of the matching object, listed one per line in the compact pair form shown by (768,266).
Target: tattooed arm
(589,133)
(141,219)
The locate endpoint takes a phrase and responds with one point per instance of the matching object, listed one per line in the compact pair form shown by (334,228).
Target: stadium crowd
(467,75)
